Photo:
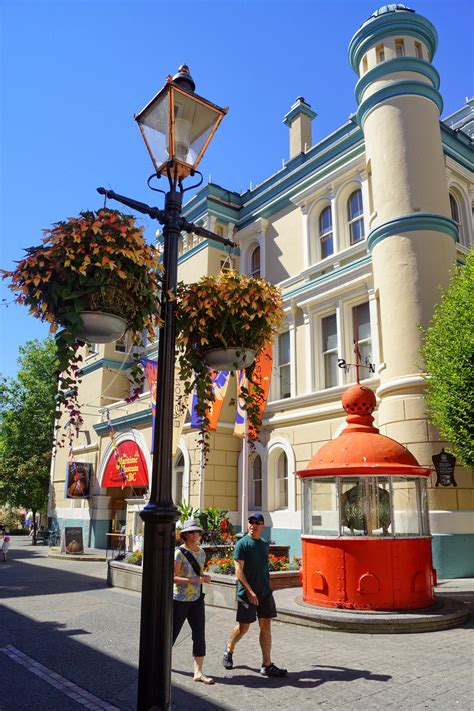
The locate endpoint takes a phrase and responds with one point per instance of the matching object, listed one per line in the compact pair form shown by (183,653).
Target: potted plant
(93,277)
(223,322)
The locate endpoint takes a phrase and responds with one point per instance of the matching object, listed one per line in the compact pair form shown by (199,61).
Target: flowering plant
(98,261)
(227,310)
(225,566)
(135,558)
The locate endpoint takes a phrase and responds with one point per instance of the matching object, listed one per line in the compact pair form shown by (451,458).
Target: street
(68,641)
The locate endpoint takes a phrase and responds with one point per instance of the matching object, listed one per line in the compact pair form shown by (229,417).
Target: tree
(448,353)
(27,407)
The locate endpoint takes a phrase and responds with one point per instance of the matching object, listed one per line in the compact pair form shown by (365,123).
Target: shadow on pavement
(304,679)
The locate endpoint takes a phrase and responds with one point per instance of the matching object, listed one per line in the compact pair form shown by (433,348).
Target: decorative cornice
(399,88)
(104,363)
(411,223)
(398,64)
(296,110)
(124,423)
(393,24)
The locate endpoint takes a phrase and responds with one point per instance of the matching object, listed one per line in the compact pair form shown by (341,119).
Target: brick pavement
(63,616)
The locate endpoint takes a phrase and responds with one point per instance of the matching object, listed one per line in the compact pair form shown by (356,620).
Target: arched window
(255,263)
(178,476)
(256,483)
(281,498)
(325,232)
(355,212)
(455,213)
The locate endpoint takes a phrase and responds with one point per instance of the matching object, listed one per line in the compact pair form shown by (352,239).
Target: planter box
(278,550)
(220,593)
(124,575)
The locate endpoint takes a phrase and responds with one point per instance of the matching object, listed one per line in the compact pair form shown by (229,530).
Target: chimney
(298,119)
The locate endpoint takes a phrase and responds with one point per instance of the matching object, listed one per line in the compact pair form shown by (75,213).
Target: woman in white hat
(189,560)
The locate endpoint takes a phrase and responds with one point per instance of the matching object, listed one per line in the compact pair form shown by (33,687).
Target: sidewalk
(75,631)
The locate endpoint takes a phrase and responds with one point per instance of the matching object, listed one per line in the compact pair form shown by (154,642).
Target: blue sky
(74,72)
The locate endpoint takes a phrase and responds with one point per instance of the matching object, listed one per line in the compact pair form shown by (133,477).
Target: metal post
(160,514)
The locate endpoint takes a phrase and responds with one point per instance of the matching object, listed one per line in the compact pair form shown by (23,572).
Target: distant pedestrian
(5,545)
(188,598)
(254,595)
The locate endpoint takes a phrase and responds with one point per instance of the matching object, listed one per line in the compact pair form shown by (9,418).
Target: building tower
(411,236)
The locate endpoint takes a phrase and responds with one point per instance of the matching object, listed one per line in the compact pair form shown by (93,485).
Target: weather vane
(357,365)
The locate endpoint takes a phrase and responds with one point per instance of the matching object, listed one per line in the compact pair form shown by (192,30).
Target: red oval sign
(132,460)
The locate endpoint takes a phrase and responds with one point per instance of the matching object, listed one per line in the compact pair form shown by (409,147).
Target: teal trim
(203,245)
(126,422)
(452,555)
(104,363)
(399,88)
(458,145)
(67,522)
(398,64)
(346,268)
(99,531)
(295,111)
(411,223)
(389,25)
(286,537)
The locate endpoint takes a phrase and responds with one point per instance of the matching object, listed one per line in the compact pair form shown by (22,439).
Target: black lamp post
(177,126)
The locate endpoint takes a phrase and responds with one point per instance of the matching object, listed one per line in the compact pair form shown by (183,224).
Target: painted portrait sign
(78,480)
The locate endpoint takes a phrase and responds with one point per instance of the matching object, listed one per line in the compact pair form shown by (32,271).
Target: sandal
(205,679)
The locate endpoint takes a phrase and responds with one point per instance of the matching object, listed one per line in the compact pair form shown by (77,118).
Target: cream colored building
(366,222)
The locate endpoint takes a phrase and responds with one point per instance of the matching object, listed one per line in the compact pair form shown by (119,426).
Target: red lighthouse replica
(366,541)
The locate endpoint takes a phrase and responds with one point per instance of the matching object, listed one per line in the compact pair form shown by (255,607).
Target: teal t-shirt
(254,553)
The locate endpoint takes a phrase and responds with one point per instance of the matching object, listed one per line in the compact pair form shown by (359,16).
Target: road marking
(75,692)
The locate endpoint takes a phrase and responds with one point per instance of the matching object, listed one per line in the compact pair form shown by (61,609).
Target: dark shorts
(248,613)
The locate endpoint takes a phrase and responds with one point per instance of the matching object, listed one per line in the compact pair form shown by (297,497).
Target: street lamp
(177,126)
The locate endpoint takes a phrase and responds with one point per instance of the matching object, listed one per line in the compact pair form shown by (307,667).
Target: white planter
(229,358)
(100,327)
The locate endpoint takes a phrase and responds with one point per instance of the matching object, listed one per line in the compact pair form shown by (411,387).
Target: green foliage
(448,361)
(215,522)
(10,519)
(96,262)
(27,406)
(227,310)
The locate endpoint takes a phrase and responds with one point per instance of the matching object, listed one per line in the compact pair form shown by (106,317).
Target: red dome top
(360,449)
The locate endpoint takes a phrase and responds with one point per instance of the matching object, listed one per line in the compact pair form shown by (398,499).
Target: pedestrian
(188,598)
(5,541)
(254,595)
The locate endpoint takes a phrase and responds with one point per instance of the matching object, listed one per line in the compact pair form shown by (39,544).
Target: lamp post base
(154,679)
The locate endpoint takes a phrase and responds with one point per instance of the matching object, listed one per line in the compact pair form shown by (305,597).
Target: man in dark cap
(254,595)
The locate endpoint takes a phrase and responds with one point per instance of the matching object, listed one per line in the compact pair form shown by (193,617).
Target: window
(418,50)
(256,483)
(329,350)
(399,48)
(284,378)
(455,214)
(92,349)
(121,345)
(356,217)
(282,482)
(178,476)
(361,329)
(364,65)
(380,51)
(325,232)
(255,263)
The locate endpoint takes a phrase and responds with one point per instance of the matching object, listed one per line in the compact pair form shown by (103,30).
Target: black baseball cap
(256,517)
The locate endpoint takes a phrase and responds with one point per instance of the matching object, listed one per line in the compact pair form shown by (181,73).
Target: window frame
(282,456)
(355,219)
(325,235)
(253,503)
(286,365)
(255,272)
(323,353)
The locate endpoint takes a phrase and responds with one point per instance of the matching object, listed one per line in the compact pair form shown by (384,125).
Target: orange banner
(261,376)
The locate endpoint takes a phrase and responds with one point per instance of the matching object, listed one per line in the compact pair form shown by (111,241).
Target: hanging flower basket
(93,277)
(223,322)
(228,358)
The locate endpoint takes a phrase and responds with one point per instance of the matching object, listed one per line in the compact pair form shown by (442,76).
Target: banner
(78,477)
(126,466)
(262,376)
(220,382)
(180,405)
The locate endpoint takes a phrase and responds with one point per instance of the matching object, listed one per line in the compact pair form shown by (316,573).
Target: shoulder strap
(191,559)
